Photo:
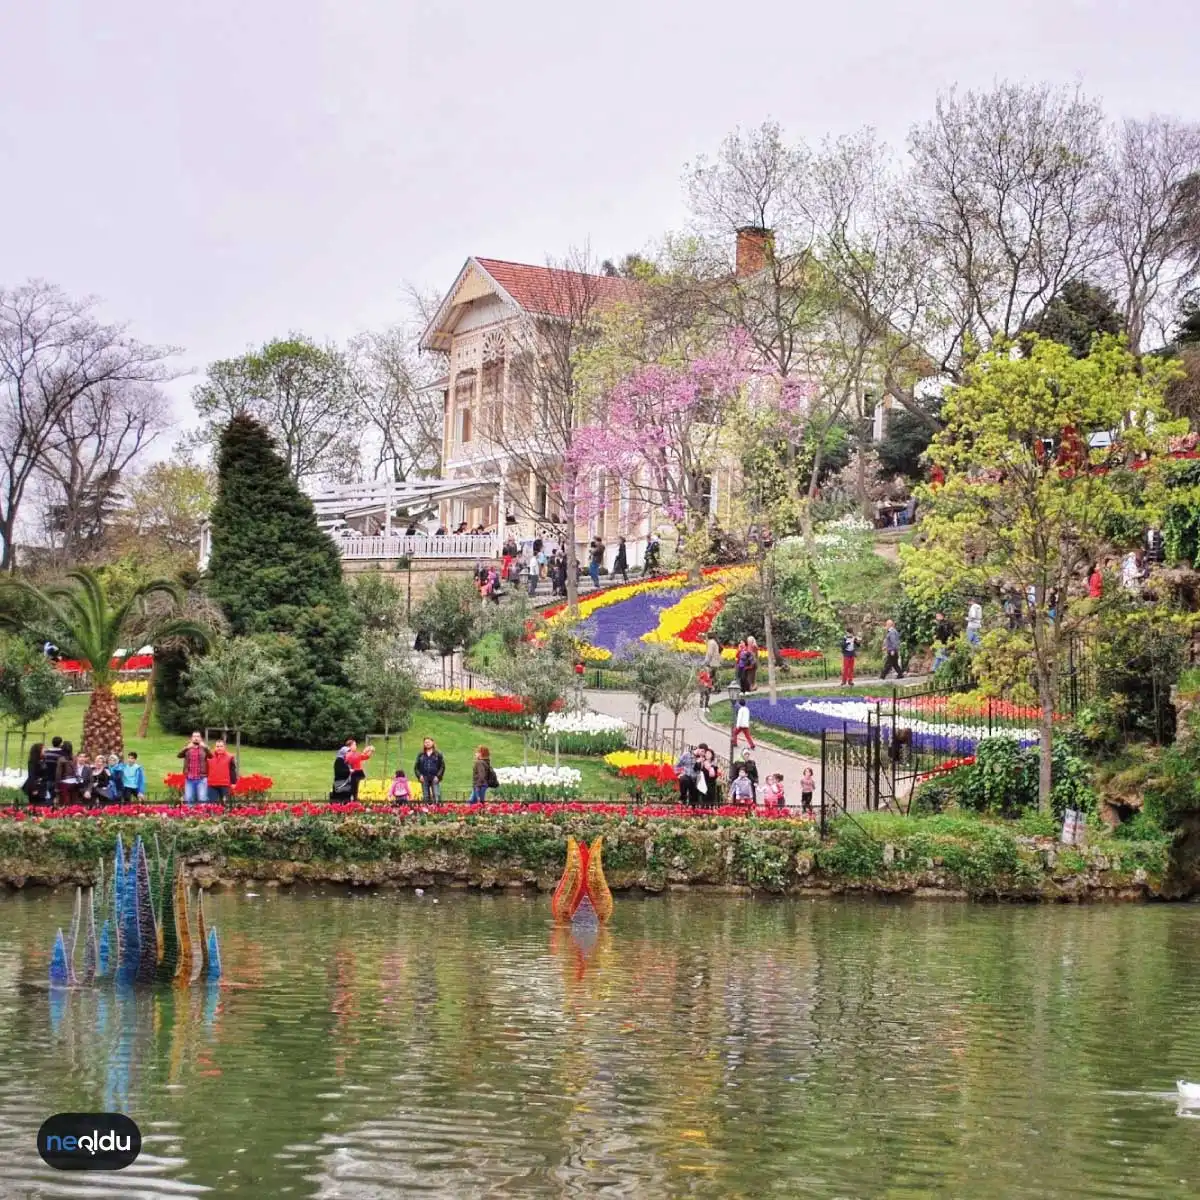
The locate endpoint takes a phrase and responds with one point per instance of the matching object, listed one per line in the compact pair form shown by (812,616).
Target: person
(440,532)
(116,778)
(483,775)
(430,769)
(222,773)
(1095,582)
(48,775)
(1012,612)
(744,659)
(596,561)
(32,787)
(943,635)
(1155,549)
(707,776)
(712,655)
(357,760)
(741,790)
(411,530)
(741,724)
(751,768)
(891,651)
(560,574)
(100,781)
(80,781)
(400,792)
(685,772)
(773,792)
(808,785)
(974,622)
(340,793)
(64,774)
(1131,573)
(752,663)
(849,653)
(195,769)
(621,562)
(133,779)
(650,563)
(705,680)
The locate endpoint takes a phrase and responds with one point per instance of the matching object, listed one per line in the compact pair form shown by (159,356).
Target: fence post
(824,761)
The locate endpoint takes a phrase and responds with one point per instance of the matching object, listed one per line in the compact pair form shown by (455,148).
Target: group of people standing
(702,785)
(56,776)
(429,770)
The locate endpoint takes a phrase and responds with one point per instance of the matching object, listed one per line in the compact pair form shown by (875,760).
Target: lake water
(368,1046)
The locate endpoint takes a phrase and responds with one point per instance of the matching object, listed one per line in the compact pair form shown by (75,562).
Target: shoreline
(955,860)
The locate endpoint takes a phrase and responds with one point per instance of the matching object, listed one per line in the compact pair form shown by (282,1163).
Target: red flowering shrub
(253,786)
(798,655)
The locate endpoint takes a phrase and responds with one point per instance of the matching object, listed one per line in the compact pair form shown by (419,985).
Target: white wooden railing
(449,546)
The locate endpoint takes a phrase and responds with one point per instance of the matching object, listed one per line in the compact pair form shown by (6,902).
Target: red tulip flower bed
(696,630)
(252,787)
(500,712)
(799,655)
(136,662)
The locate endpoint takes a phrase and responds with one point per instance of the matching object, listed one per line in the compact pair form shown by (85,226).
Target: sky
(219,173)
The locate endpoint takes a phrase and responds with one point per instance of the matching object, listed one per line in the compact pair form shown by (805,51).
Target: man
(751,768)
(51,759)
(222,773)
(195,757)
(596,561)
(650,562)
(430,769)
(891,651)
(943,635)
(741,724)
(849,652)
(974,621)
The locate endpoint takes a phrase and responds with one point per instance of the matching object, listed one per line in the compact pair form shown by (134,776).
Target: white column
(501,522)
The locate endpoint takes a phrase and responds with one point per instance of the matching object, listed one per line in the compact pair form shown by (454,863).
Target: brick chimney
(753,245)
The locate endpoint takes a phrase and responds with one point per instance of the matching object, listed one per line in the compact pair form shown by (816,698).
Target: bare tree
(547,404)
(84,461)
(297,389)
(53,352)
(1152,215)
(1006,190)
(390,386)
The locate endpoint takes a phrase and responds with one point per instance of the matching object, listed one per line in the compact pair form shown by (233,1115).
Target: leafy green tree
(539,680)
(449,615)
(381,671)
(300,391)
(88,625)
(30,686)
(378,601)
(274,571)
(1011,509)
(905,439)
(231,688)
(1080,313)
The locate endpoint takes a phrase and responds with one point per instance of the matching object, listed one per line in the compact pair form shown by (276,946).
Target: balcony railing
(449,546)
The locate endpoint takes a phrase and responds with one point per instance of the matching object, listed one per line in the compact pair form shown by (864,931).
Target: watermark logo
(89,1141)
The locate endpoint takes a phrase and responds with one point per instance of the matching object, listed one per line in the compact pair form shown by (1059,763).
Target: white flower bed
(12,778)
(583,722)
(541,780)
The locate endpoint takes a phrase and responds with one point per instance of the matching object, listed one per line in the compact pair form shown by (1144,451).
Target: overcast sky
(222,172)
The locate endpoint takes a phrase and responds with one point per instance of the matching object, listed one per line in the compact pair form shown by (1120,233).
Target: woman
(621,562)
(1095,582)
(706,761)
(430,768)
(64,774)
(356,760)
(482,775)
(686,770)
(752,663)
(222,773)
(32,787)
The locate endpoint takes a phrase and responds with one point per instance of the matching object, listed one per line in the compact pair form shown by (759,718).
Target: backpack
(233,771)
(492,779)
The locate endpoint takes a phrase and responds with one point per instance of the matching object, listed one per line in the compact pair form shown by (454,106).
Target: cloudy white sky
(220,172)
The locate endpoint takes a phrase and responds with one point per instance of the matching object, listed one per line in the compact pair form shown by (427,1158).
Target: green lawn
(311,771)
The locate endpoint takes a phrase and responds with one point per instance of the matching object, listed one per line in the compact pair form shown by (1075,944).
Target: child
(400,792)
(741,724)
(705,680)
(100,781)
(773,792)
(741,791)
(808,785)
(849,651)
(133,779)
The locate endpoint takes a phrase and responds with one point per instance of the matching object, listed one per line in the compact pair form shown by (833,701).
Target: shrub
(1003,780)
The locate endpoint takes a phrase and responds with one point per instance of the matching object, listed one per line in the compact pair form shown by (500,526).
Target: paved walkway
(696,727)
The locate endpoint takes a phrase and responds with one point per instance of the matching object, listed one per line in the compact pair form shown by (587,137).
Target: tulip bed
(452,699)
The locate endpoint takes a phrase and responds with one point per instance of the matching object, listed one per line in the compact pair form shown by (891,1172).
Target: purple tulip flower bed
(812,717)
(618,627)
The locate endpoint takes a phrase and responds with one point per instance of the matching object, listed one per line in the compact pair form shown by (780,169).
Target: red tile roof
(551,291)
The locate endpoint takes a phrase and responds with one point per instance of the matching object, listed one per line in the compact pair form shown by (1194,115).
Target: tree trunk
(1047,673)
(386,748)
(144,723)
(768,593)
(102,724)
(569,550)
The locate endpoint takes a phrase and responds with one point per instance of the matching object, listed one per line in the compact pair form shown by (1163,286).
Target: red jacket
(218,768)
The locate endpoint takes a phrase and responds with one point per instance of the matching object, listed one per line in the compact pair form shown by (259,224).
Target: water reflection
(700,1047)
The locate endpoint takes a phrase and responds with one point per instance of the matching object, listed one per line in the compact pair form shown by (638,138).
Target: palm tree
(87,625)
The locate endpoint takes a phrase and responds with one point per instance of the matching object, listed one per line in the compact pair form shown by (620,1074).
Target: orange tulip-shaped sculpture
(582,879)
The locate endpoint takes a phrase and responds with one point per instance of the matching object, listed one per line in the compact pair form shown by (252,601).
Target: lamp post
(735,692)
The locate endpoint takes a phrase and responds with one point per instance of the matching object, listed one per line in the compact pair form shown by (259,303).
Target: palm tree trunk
(102,732)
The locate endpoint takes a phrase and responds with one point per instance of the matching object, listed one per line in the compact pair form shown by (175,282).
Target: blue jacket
(133,778)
